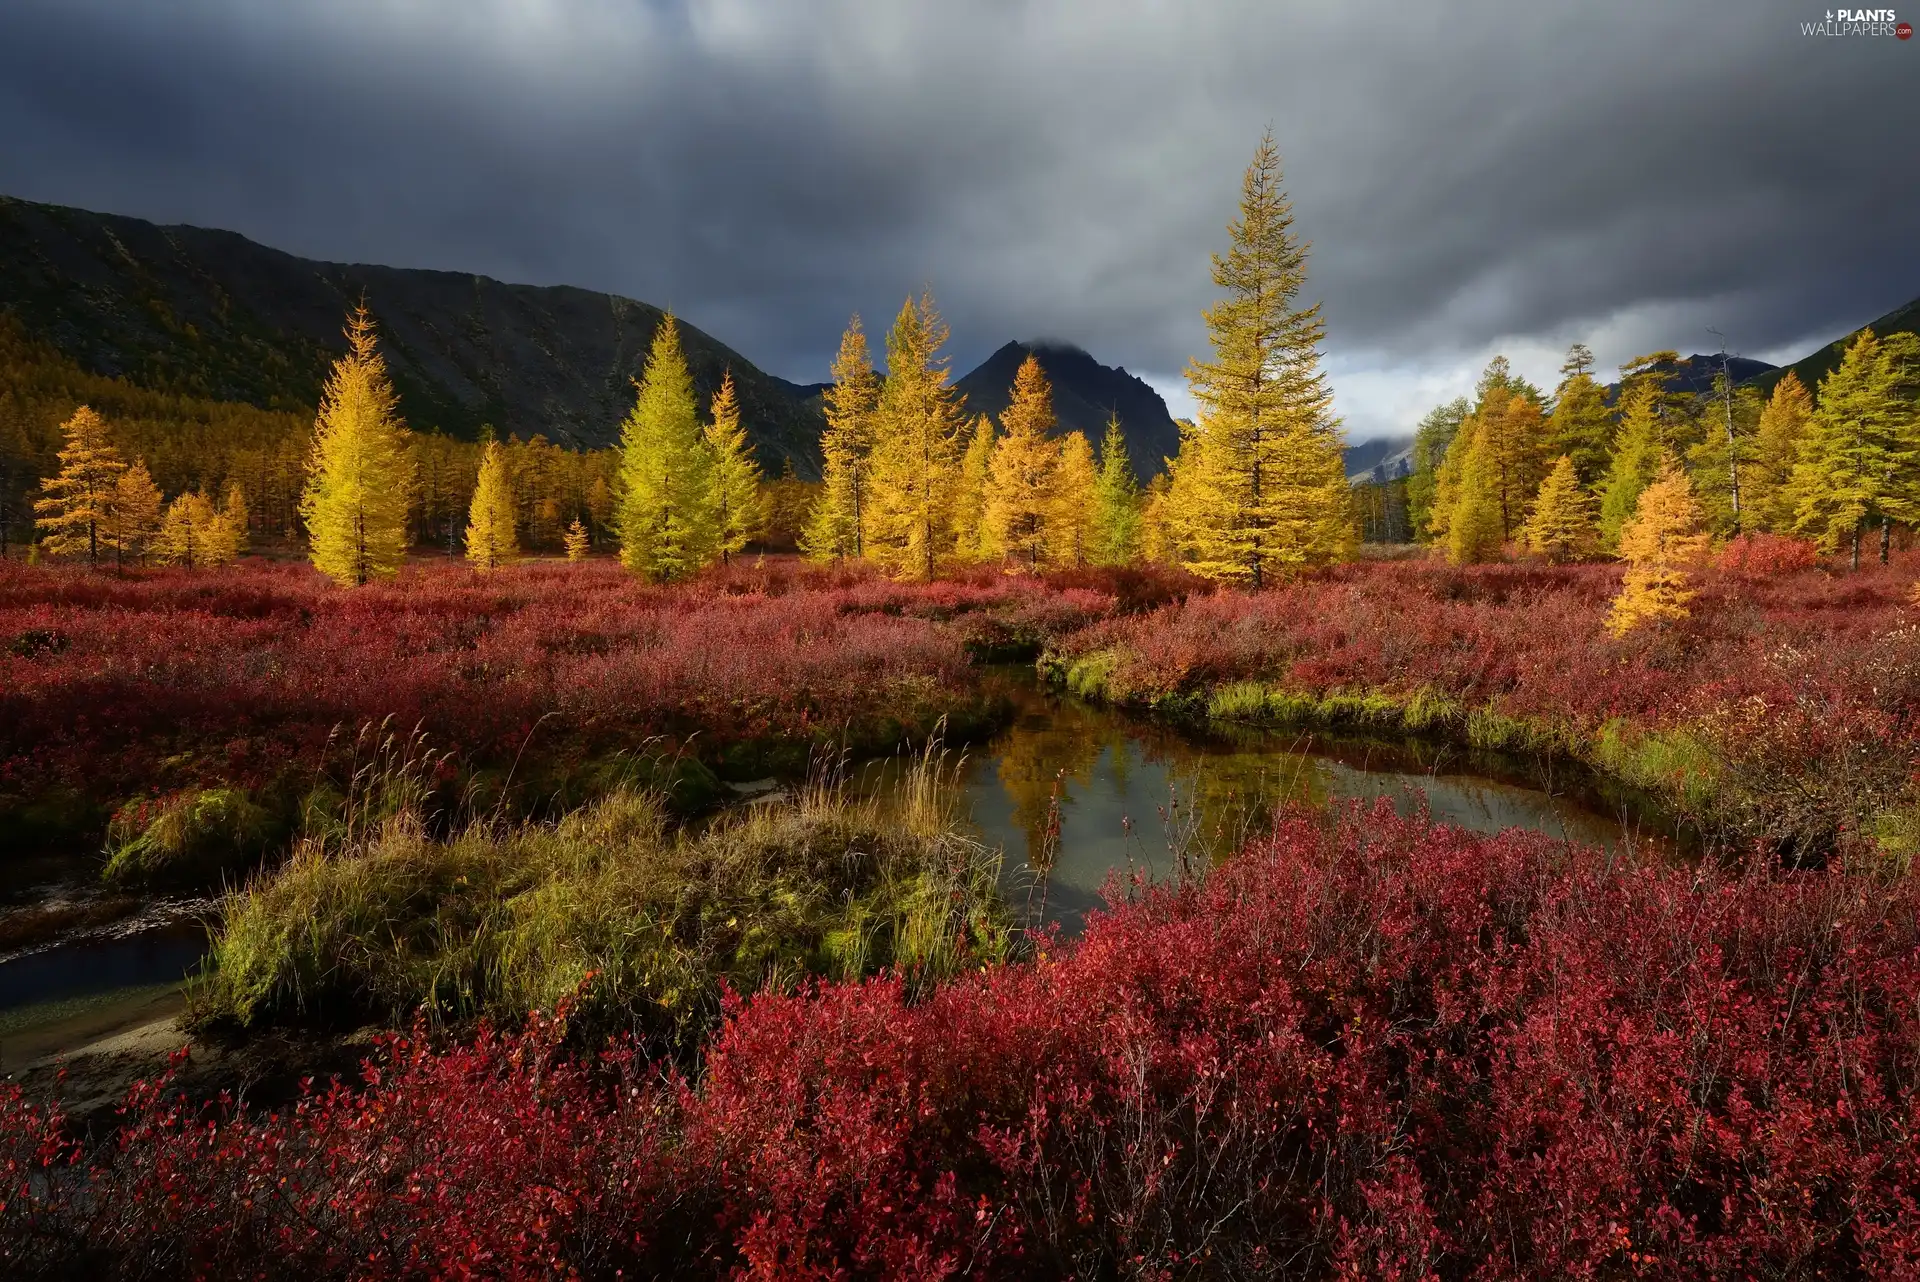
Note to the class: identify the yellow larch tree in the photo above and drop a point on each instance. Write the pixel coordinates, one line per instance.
(238, 520)
(193, 536)
(917, 424)
(1636, 456)
(1561, 527)
(836, 527)
(970, 492)
(1659, 543)
(133, 518)
(575, 541)
(1859, 459)
(1473, 527)
(359, 472)
(665, 516)
(1022, 496)
(739, 507)
(1271, 484)
(76, 503)
(491, 541)
(1516, 437)
(1767, 484)
(1076, 501)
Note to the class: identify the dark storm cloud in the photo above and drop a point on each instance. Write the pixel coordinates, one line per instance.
(1470, 174)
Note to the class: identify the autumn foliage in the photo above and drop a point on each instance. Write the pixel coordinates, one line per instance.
(1366, 1048)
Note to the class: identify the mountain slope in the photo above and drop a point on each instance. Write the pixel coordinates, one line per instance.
(213, 314)
(1813, 367)
(1084, 393)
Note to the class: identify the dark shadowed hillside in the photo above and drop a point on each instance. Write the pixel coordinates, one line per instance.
(1085, 392)
(1810, 369)
(214, 315)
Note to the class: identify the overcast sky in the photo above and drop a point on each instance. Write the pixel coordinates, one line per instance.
(1473, 176)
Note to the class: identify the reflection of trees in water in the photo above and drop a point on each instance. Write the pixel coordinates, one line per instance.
(1036, 754)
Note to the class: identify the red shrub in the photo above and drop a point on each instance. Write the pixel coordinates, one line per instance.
(1375, 1050)
(1760, 554)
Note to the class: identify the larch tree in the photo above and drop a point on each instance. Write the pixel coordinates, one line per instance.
(239, 521)
(1075, 501)
(1859, 459)
(1431, 441)
(1474, 530)
(1663, 538)
(193, 536)
(1514, 432)
(970, 492)
(600, 506)
(575, 541)
(836, 530)
(1725, 456)
(359, 472)
(1272, 486)
(491, 540)
(1561, 527)
(1023, 492)
(917, 425)
(134, 515)
(1636, 458)
(739, 506)
(1581, 426)
(1116, 502)
(76, 504)
(665, 513)
(1767, 485)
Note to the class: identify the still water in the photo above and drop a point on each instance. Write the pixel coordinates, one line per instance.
(1130, 793)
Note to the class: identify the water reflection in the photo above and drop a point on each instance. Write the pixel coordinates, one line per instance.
(1090, 792)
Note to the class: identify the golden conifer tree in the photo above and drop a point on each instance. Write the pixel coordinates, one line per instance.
(600, 506)
(1581, 426)
(193, 536)
(1271, 485)
(739, 508)
(238, 521)
(1157, 541)
(836, 530)
(1767, 485)
(1116, 502)
(134, 515)
(360, 473)
(576, 541)
(1636, 457)
(666, 502)
(1516, 457)
(1662, 539)
(917, 423)
(1076, 500)
(76, 503)
(491, 541)
(1473, 527)
(970, 492)
(1023, 495)
(1561, 527)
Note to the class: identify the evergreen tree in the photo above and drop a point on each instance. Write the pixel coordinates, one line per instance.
(490, 517)
(359, 473)
(133, 516)
(1076, 481)
(1158, 543)
(970, 493)
(1581, 426)
(576, 541)
(76, 504)
(193, 536)
(739, 507)
(1515, 436)
(1116, 502)
(1473, 528)
(1431, 441)
(1636, 458)
(1859, 459)
(665, 513)
(917, 424)
(1767, 486)
(1561, 527)
(1023, 490)
(1713, 462)
(1661, 540)
(1271, 484)
(837, 529)
(1657, 376)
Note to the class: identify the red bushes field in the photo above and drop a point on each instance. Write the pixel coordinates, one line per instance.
(112, 686)
(1371, 1049)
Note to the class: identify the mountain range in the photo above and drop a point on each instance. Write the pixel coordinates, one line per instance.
(212, 314)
